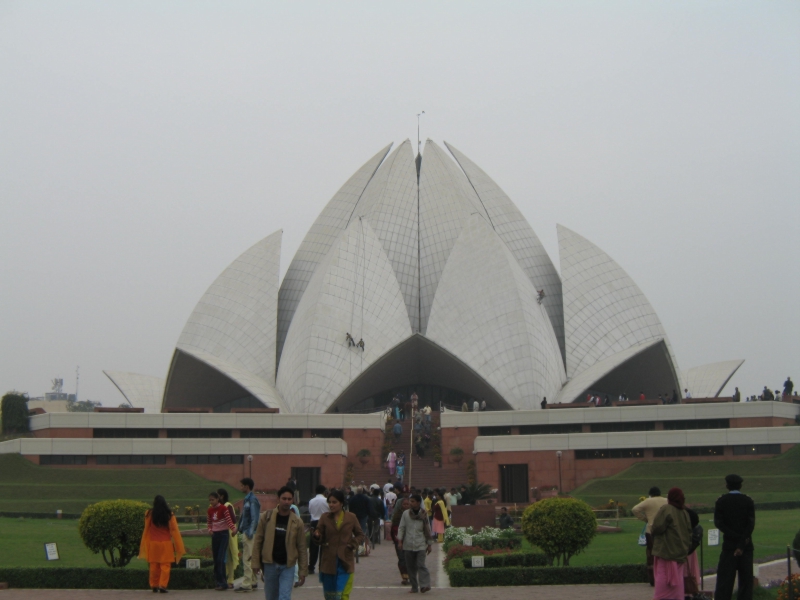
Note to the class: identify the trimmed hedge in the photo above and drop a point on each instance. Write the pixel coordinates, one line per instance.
(62, 578)
(517, 559)
(464, 577)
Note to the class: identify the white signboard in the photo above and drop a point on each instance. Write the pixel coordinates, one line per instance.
(192, 563)
(51, 551)
(468, 541)
(713, 537)
(477, 562)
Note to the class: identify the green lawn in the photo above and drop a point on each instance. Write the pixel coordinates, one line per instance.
(766, 480)
(24, 540)
(775, 529)
(25, 487)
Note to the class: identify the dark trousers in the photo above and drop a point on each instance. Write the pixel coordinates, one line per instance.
(219, 551)
(728, 568)
(313, 551)
(375, 531)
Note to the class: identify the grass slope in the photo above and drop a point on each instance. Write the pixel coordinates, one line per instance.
(25, 487)
(766, 480)
(24, 540)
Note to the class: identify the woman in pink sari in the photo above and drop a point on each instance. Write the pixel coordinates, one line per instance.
(672, 539)
(391, 461)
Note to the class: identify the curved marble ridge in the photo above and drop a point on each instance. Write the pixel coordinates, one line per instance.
(495, 325)
(437, 252)
(605, 312)
(141, 391)
(355, 291)
(707, 381)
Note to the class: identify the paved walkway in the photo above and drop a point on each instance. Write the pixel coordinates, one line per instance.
(376, 577)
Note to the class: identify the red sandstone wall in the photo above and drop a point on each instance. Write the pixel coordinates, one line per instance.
(63, 432)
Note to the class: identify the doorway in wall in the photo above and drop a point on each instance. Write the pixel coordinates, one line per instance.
(514, 483)
(307, 481)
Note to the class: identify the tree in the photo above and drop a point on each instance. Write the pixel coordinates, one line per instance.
(475, 492)
(113, 528)
(561, 527)
(14, 411)
(82, 406)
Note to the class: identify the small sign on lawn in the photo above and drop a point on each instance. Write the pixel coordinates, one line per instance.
(51, 551)
(468, 541)
(713, 537)
(192, 563)
(477, 562)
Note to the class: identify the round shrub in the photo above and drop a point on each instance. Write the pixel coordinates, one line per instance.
(560, 527)
(113, 528)
(783, 590)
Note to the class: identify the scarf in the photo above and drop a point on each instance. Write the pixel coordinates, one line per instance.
(422, 516)
(676, 498)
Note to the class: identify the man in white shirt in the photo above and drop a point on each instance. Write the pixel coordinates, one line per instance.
(686, 393)
(475, 406)
(390, 498)
(387, 487)
(317, 507)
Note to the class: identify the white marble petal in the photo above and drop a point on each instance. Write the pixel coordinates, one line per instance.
(518, 236)
(333, 219)
(707, 381)
(485, 313)
(354, 291)
(141, 391)
(605, 312)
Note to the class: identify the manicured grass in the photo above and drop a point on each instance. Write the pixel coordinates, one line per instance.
(766, 480)
(25, 487)
(775, 529)
(24, 539)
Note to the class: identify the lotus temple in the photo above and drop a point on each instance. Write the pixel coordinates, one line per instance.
(419, 275)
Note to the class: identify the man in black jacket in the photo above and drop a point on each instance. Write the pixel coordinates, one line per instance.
(361, 507)
(735, 517)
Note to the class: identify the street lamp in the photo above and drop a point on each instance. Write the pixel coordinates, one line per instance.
(250, 462)
(558, 454)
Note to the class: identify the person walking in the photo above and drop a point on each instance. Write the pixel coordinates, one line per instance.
(441, 518)
(232, 558)
(317, 507)
(735, 517)
(220, 524)
(248, 521)
(339, 535)
(161, 543)
(361, 507)
(646, 511)
(415, 540)
(377, 513)
(391, 461)
(506, 520)
(403, 505)
(400, 469)
(279, 546)
(672, 539)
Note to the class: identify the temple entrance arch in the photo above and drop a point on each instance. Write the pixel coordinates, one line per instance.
(416, 362)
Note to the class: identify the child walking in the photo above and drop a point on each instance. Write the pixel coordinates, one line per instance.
(219, 525)
(161, 543)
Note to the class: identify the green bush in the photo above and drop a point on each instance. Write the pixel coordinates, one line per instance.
(561, 527)
(14, 411)
(113, 528)
(59, 578)
(467, 577)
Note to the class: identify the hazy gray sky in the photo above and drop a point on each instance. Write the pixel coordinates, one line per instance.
(145, 145)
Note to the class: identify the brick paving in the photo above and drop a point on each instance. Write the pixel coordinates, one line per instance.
(376, 577)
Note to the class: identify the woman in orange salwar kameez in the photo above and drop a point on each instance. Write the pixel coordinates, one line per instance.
(161, 543)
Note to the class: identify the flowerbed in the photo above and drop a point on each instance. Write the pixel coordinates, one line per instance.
(489, 538)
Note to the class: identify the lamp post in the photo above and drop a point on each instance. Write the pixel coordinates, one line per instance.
(250, 462)
(558, 454)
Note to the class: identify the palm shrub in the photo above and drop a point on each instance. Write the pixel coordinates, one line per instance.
(475, 492)
(113, 528)
(561, 527)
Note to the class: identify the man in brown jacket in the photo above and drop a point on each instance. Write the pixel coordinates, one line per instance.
(279, 545)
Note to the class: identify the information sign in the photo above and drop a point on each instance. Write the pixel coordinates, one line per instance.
(51, 551)
(713, 537)
(477, 562)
